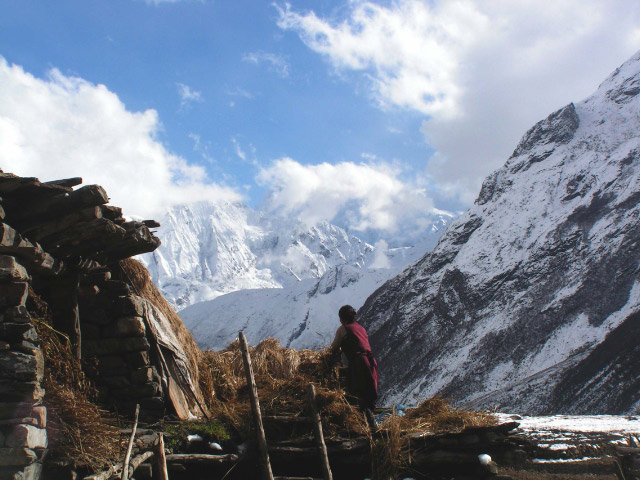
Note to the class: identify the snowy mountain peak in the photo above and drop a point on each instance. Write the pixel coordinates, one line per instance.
(209, 249)
(530, 286)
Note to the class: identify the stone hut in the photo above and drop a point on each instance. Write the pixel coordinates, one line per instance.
(70, 249)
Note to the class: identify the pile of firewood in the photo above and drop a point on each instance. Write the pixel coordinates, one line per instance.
(628, 459)
(62, 228)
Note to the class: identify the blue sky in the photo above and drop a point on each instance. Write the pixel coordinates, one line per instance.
(374, 113)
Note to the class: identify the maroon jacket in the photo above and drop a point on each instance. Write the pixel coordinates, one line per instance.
(363, 368)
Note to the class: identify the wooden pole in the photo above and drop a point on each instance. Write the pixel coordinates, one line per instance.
(255, 408)
(161, 459)
(125, 464)
(317, 427)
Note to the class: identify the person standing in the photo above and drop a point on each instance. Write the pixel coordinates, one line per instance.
(351, 339)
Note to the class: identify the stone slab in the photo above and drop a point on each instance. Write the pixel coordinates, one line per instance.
(138, 359)
(40, 414)
(115, 345)
(10, 269)
(13, 294)
(21, 366)
(130, 326)
(144, 375)
(28, 436)
(16, 332)
(17, 457)
(17, 391)
(17, 314)
(15, 409)
(129, 305)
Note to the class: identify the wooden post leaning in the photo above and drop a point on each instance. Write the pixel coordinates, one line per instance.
(255, 408)
(317, 427)
(161, 459)
(125, 464)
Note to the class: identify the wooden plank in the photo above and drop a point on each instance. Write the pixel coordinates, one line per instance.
(317, 428)
(112, 213)
(255, 408)
(84, 238)
(24, 214)
(13, 186)
(200, 458)
(286, 419)
(627, 450)
(65, 182)
(161, 459)
(137, 461)
(125, 464)
(46, 229)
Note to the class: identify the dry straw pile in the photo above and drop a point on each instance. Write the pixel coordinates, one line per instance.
(282, 376)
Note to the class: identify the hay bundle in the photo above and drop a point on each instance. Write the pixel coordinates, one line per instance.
(282, 376)
(434, 415)
(139, 276)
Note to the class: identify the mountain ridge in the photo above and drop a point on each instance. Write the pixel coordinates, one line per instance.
(544, 264)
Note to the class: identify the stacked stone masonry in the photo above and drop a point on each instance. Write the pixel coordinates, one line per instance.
(114, 332)
(23, 419)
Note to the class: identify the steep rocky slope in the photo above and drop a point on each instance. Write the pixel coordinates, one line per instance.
(530, 298)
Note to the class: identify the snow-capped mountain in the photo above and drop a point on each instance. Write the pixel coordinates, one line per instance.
(531, 299)
(210, 249)
(303, 314)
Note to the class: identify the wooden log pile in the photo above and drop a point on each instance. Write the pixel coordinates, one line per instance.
(457, 455)
(73, 225)
(628, 459)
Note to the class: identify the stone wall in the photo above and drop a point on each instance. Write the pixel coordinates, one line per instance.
(114, 331)
(68, 246)
(23, 418)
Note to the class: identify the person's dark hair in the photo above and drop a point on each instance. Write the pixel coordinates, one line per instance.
(347, 314)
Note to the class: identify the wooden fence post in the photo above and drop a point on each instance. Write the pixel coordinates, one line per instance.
(317, 426)
(161, 459)
(125, 464)
(255, 408)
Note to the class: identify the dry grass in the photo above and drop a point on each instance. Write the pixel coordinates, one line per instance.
(434, 415)
(136, 273)
(282, 377)
(141, 280)
(79, 431)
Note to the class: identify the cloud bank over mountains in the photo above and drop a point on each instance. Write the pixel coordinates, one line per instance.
(480, 71)
(63, 126)
(371, 196)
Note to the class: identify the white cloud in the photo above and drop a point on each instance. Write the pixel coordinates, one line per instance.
(188, 95)
(369, 196)
(158, 2)
(239, 152)
(380, 259)
(276, 63)
(239, 92)
(63, 126)
(481, 71)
